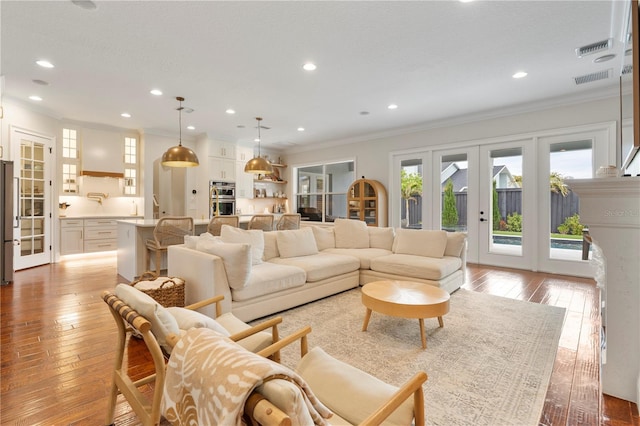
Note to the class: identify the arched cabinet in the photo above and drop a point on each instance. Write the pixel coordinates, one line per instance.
(368, 202)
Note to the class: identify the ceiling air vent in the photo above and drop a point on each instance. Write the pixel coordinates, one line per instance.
(627, 69)
(592, 48)
(590, 78)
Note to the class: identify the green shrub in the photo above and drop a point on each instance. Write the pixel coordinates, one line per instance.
(514, 222)
(571, 226)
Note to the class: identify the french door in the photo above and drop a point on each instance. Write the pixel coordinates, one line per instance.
(480, 190)
(33, 163)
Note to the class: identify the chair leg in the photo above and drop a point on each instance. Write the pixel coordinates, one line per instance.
(158, 261)
(147, 259)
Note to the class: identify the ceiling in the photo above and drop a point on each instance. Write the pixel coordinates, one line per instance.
(439, 61)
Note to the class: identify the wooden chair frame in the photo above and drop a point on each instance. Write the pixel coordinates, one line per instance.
(167, 232)
(216, 222)
(128, 320)
(261, 221)
(411, 388)
(289, 221)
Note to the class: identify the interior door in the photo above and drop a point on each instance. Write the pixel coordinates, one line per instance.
(409, 203)
(33, 163)
(507, 206)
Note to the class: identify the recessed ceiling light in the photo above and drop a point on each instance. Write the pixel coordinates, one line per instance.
(309, 66)
(125, 115)
(465, 1)
(191, 127)
(256, 140)
(301, 129)
(156, 92)
(44, 63)
(519, 74)
(40, 82)
(393, 106)
(230, 111)
(35, 98)
(604, 58)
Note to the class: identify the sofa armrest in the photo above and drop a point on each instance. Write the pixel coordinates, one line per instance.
(204, 277)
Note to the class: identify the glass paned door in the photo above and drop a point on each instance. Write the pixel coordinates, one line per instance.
(34, 195)
(507, 229)
(411, 192)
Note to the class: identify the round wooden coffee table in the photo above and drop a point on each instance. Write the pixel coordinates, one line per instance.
(405, 299)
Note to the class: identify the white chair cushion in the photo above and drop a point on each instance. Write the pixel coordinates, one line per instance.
(351, 233)
(298, 242)
(381, 238)
(254, 237)
(325, 237)
(236, 258)
(187, 319)
(162, 322)
(351, 393)
(455, 243)
(253, 343)
(420, 242)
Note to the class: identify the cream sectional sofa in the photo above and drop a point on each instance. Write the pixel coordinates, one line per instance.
(261, 273)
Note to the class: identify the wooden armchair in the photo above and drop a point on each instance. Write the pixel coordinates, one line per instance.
(130, 320)
(320, 387)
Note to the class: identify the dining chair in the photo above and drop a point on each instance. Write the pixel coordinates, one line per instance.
(169, 230)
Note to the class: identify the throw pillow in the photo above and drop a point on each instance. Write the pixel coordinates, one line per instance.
(270, 245)
(455, 243)
(236, 258)
(325, 238)
(298, 242)
(190, 241)
(351, 233)
(381, 237)
(255, 237)
(188, 318)
(421, 242)
(162, 322)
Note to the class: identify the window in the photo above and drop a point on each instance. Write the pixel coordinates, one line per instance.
(321, 190)
(130, 165)
(70, 161)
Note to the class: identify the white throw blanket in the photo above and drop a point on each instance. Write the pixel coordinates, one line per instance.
(209, 378)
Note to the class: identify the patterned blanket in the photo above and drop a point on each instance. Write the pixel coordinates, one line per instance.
(209, 378)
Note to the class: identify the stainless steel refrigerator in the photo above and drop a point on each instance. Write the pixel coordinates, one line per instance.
(6, 221)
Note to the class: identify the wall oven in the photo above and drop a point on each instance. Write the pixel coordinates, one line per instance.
(222, 198)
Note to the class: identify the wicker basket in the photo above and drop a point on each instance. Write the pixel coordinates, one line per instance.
(167, 291)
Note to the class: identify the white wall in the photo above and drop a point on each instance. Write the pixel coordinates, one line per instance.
(372, 155)
(19, 116)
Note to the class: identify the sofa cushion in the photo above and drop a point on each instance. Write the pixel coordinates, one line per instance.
(298, 242)
(420, 242)
(364, 255)
(235, 257)
(348, 391)
(381, 238)
(268, 278)
(351, 233)
(270, 245)
(188, 318)
(322, 265)
(255, 237)
(408, 265)
(162, 322)
(455, 243)
(325, 237)
(253, 343)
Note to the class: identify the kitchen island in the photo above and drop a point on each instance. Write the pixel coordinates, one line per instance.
(132, 235)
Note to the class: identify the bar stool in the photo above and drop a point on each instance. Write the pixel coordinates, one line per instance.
(216, 222)
(261, 221)
(289, 221)
(169, 230)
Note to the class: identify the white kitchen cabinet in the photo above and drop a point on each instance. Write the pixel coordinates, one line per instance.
(100, 235)
(71, 236)
(244, 181)
(222, 169)
(244, 153)
(222, 149)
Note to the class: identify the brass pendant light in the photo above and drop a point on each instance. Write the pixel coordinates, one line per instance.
(180, 156)
(258, 165)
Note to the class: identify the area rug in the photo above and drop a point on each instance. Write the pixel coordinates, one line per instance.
(489, 365)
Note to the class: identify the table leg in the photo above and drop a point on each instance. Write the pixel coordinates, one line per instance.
(441, 321)
(367, 316)
(422, 335)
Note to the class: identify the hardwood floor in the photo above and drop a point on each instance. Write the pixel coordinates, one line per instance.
(57, 341)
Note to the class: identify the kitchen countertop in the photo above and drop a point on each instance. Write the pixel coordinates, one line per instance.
(101, 216)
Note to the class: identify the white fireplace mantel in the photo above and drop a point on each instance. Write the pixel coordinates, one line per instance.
(610, 207)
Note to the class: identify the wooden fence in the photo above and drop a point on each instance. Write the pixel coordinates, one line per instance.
(509, 201)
